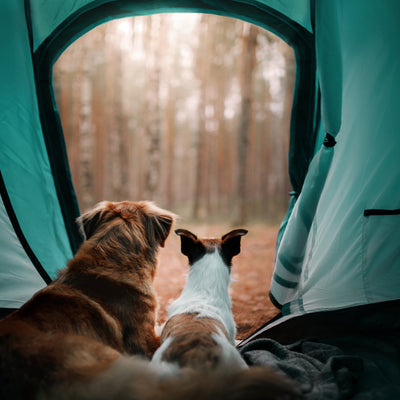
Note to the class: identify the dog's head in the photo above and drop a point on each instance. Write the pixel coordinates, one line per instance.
(194, 248)
(135, 226)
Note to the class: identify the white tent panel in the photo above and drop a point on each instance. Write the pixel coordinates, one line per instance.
(19, 278)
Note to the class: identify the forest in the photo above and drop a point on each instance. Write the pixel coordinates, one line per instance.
(191, 111)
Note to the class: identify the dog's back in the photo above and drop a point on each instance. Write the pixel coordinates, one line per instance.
(100, 306)
(33, 361)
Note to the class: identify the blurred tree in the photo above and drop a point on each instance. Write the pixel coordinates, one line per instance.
(202, 155)
(247, 67)
(151, 110)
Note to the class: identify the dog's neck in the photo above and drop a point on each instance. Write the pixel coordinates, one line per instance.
(125, 262)
(89, 271)
(206, 292)
(209, 275)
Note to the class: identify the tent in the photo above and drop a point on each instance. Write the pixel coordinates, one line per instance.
(338, 249)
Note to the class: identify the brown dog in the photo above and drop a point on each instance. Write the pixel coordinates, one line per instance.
(100, 306)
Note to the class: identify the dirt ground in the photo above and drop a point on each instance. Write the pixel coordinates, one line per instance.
(251, 273)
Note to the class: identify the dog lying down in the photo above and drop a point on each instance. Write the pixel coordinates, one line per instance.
(90, 333)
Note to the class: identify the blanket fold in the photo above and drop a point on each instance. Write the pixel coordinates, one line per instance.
(359, 368)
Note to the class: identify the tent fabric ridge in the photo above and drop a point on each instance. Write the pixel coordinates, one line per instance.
(378, 211)
(28, 19)
(284, 282)
(275, 13)
(293, 306)
(307, 217)
(312, 15)
(275, 302)
(18, 231)
(294, 266)
(302, 120)
(57, 153)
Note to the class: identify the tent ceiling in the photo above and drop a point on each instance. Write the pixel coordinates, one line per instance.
(47, 16)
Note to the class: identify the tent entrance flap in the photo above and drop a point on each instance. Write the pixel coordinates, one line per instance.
(350, 256)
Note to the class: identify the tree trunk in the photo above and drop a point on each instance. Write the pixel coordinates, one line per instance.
(248, 64)
(153, 125)
(170, 139)
(278, 178)
(201, 148)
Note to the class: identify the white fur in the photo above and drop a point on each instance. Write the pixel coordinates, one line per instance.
(157, 356)
(230, 356)
(206, 292)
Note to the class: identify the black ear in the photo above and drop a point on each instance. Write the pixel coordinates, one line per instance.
(230, 245)
(90, 221)
(190, 245)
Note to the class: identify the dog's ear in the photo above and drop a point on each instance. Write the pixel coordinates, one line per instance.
(162, 227)
(158, 222)
(190, 245)
(230, 245)
(90, 221)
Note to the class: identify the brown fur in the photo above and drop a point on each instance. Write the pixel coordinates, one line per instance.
(192, 343)
(100, 306)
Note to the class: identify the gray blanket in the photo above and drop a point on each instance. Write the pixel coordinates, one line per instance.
(359, 368)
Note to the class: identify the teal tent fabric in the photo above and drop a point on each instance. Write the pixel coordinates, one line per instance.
(343, 242)
(329, 60)
(47, 16)
(23, 156)
(292, 250)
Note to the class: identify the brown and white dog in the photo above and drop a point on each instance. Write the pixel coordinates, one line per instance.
(200, 330)
(199, 334)
(99, 307)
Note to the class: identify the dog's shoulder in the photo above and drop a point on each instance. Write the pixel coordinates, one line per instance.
(64, 309)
